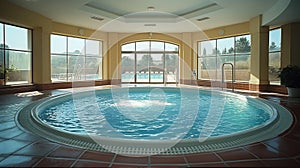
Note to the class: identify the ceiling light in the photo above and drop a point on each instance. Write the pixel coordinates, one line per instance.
(97, 18)
(201, 19)
(151, 8)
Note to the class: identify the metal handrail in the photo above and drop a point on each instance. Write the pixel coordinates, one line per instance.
(232, 74)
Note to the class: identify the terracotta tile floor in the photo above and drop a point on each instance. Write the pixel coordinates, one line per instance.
(24, 149)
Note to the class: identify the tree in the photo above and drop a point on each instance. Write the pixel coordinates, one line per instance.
(2, 55)
(224, 51)
(243, 45)
(146, 60)
(231, 50)
(204, 52)
(127, 61)
(76, 52)
(171, 62)
(216, 52)
(273, 46)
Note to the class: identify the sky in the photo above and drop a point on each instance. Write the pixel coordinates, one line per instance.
(59, 45)
(15, 37)
(274, 36)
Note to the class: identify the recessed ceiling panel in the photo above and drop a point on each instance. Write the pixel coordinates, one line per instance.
(134, 13)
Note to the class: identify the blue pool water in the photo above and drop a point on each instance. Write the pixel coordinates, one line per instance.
(140, 113)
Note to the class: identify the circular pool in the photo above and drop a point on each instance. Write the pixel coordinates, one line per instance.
(152, 120)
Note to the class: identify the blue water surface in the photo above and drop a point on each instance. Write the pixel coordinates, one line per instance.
(155, 114)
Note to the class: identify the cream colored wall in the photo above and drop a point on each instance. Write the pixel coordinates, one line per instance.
(43, 27)
(259, 67)
(290, 52)
(186, 66)
(230, 30)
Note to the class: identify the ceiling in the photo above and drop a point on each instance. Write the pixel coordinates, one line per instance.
(161, 15)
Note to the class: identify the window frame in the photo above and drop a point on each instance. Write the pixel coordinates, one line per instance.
(217, 61)
(137, 52)
(85, 56)
(277, 82)
(28, 51)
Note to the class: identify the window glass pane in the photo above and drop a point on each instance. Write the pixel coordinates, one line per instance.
(128, 47)
(128, 65)
(58, 44)
(209, 64)
(274, 67)
(225, 46)
(75, 46)
(84, 63)
(142, 68)
(157, 46)
(18, 65)
(227, 68)
(225, 59)
(242, 68)
(171, 47)
(58, 68)
(208, 68)
(208, 48)
(1, 63)
(275, 40)
(171, 65)
(93, 68)
(76, 66)
(243, 44)
(1, 36)
(143, 46)
(156, 68)
(2, 66)
(274, 56)
(92, 48)
(237, 53)
(17, 38)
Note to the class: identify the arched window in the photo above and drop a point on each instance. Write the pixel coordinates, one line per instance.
(149, 62)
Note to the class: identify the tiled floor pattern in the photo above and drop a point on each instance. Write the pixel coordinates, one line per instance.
(19, 148)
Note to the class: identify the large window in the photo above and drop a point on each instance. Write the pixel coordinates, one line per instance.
(274, 56)
(213, 54)
(75, 59)
(15, 54)
(149, 62)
